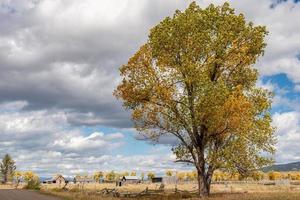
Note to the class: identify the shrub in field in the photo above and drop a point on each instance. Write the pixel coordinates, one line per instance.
(169, 173)
(111, 176)
(191, 175)
(97, 176)
(274, 175)
(217, 176)
(151, 175)
(133, 173)
(17, 176)
(181, 176)
(32, 180)
(293, 176)
(221, 176)
(257, 175)
(126, 174)
(297, 176)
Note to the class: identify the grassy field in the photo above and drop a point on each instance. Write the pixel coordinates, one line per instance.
(6, 186)
(219, 192)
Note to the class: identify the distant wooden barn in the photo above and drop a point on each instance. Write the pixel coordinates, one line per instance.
(157, 179)
(128, 180)
(83, 179)
(131, 179)
(165, 180)
(58, 179)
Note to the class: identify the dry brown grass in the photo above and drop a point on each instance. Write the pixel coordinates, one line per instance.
(219, 192)
(6, 186)
(245, 196)
(257, 196)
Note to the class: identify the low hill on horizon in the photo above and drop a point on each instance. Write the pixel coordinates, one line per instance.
(294, 166)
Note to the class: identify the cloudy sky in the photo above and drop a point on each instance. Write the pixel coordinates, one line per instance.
(59, 63)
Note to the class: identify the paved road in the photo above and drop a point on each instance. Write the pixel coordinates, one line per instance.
(9, 194)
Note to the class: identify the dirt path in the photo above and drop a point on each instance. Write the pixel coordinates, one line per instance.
(9, 194)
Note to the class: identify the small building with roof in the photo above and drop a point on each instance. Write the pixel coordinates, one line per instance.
(83, 179)
(131, 179)
(57, 179)
(128, 180)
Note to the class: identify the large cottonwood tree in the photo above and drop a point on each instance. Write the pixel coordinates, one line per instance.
(194, 78)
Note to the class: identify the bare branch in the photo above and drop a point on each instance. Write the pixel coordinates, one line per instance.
(186, 161)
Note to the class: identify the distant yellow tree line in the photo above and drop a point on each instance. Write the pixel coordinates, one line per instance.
(224, 176)
(256, 176)
(180, 175)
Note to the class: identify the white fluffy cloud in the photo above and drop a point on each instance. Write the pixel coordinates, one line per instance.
(66, 54)
(288, 135)
(45, 142)
(297, 88)
(50, 130)
(48, 163)
(96, 140)
(37, 138)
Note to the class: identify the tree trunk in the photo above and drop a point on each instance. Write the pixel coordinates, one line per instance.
(203, 185)
(5, 178)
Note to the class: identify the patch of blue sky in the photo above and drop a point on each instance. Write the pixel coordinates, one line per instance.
(8, 8)
(277, 2)
(131, 145)
(284, 90)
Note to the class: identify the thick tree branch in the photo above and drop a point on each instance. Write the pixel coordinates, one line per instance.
(186, 161)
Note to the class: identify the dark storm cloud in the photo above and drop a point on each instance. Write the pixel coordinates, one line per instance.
(56, 56)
